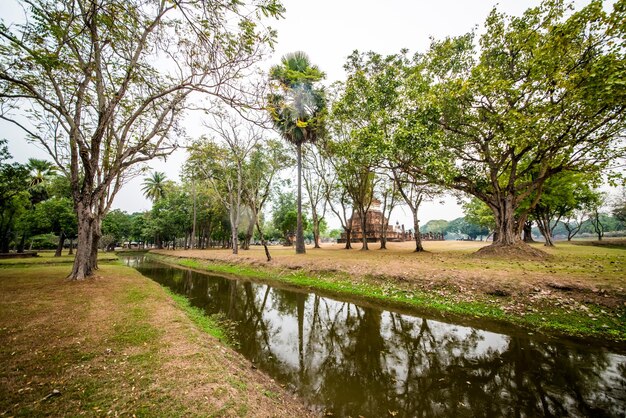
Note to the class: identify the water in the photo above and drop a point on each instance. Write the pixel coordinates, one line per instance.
(352, 360)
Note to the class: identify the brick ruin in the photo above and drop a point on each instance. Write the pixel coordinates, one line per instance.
(374, 218)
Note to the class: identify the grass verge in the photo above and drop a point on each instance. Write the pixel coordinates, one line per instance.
(117, 345)
(530, 312)
(212, 325)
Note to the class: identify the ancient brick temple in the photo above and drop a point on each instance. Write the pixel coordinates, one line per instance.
(375, 221)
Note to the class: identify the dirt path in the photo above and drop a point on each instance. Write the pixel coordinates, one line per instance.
(117, 345)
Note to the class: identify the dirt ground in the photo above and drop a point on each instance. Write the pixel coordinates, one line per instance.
(572, 273)
(117, 345)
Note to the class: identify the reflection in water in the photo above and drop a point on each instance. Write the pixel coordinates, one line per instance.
(353, 360)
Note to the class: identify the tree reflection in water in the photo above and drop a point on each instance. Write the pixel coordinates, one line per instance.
(354, 360)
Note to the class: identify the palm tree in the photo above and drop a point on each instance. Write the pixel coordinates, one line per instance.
(154, 186)
(40, 170)
(297, 109)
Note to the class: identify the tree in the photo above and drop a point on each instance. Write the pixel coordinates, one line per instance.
(461, 226)
(619, 206)
(316, 188)
(154, 186)
(436, 226)
(478, 213)
(297, 107)
(285, 217)
(544, 95)
(266, 160)
(223, 164)
(117, 224)
(108, 82)
(40, 170)
(388, 191)
(414, 190)
(364, 116)
(595, 215)
(57, 215)
(562, 194)
(14, 184)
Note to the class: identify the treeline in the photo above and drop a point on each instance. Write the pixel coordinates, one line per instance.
(36, 209)
(478, 224)
(170, 223)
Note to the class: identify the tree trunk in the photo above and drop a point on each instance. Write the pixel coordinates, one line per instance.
(234, 231)
(192, 244)
(249, 233)
(383, 233)
(95, 237)
(82, 262)
(416, 233)
(544, 228)
(71, 251)
(364, 246)
(528, 229)
(267, 251)
(60, 245)
(300, 248)
(506, 228)
(316, 228)
(20, 247)
(348, 238)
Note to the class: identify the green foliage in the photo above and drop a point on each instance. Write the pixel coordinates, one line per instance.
(462, 226)
(14, 196)
(285, 215)
(154, 186)
(542, 95)
(296, 104)
(56, 215)
(478, 213)
(435, 226)
(117, 224)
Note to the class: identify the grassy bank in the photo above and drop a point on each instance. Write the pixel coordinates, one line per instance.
(118, 344)
(550, 307)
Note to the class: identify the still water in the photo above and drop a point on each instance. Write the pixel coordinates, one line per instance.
(349, 360)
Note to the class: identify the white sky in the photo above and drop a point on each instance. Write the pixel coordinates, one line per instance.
(328, 31)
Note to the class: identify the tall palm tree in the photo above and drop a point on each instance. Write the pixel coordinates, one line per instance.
(297, 108)
(154, 186)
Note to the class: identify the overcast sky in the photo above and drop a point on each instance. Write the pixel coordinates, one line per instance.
(328, 31)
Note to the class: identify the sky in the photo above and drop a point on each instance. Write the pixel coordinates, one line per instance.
(328, 31)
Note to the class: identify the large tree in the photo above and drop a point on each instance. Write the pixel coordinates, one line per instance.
(106, 83)
(544, 94)
(223, 162)
(297, 107)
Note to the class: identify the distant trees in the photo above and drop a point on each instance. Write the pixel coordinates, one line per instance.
(461, 226)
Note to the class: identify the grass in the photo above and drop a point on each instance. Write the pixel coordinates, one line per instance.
(117, 344)
(47, 257)
(523, 292)
(209, 324)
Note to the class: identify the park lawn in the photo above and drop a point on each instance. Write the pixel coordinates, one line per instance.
(47, 257)
(580, 290)
(118, 344)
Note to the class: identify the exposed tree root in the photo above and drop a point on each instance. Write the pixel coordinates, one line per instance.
(519, 250)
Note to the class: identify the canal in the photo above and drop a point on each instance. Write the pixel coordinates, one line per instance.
(349, 359)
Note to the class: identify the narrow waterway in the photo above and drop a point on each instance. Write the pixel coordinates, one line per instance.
(350, 360)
